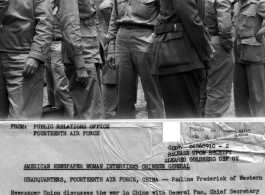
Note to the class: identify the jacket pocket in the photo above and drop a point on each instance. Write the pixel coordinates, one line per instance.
(144, 8)
(87, 8)
(248, 19)
(170, 50)
(251, 50)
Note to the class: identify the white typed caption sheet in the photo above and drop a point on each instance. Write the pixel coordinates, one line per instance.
(138, 158)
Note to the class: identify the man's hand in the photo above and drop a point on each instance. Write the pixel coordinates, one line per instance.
(30, 67)
(227, 43)
(207, 62)
(111, 61)
(82, 77)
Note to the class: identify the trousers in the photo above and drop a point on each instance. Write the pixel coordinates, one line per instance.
(217, 97)
(249, 90)
(20, 98)
(109, 92)
(181, 93)
(133, 57)
(110, 100)
(88, 101)
(57, 83)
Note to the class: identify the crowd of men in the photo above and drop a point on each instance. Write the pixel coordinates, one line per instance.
(186, 53)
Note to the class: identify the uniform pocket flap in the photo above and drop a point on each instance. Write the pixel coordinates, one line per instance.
(173, 35)
(250, 41)
(248, 14)
(251, 11)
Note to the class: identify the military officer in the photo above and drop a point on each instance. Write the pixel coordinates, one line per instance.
(181, 51)
(131, 39)
(57, 82)
(26, 35)
(249, 75)
(218, 18)
(108, 75)
(81, 56)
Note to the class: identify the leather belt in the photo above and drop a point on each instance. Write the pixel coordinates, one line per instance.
(136, 26)
(170, 27)
(57, 38)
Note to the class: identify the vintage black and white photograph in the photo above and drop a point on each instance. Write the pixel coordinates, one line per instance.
(131, 59)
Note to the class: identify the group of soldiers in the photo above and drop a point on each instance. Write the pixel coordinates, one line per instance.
(186, 53)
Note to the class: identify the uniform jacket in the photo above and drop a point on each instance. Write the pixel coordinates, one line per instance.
(3, 8)
(133, 12)
(79, 25)
(218, 18)
(27, 28)
(105, 9)
(192, 44)
(248, 19)
(56, 21)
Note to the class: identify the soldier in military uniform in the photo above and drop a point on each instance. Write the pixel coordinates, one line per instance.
(57, 82)
(218, 18)
(81, 56)
(131, 39)
(26, 35)
(181, 51)
(249, 75)
(109, 90)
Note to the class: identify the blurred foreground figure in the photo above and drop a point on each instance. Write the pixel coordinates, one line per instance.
(249, 76)
(131, 34)
(26, 36)
(217, 96)
(57, 82)
(109, 90)
(181, 50)
(81, 56)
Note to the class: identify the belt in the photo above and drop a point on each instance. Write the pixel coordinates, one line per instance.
(170, 27)
(136, 26)
(57, 38)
